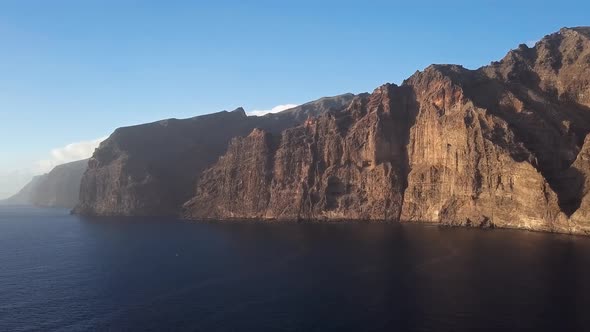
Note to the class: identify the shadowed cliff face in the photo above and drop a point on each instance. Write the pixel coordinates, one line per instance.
(151, 169)
(467, 165)
(497, 146)
(580, 187)
(347, 164)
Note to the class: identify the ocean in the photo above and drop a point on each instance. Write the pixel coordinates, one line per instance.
(60, 272)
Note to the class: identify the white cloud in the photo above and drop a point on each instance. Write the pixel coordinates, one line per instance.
(68, 153)
(531, 43)
(276, 109)
(11, 181)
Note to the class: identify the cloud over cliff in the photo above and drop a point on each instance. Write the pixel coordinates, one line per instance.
(276, 109)
(68, 153)
(11, 181)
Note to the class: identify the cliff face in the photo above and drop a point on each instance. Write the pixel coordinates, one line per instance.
(468, 165)
(580, 185)
(343, 165)
(499, 146)
(58, 188)
(151, 169)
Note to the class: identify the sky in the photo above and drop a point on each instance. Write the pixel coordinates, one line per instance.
(73, 71)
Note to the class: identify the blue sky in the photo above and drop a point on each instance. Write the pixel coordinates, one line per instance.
(73, 71)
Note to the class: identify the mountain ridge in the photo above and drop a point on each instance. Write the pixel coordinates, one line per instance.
(60, 187)
(150, 169)
(497, 146)
(487, 147)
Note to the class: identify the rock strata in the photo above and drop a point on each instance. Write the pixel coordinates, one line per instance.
(501, 146)
(342, 165)
(151, 169)
(505, 145)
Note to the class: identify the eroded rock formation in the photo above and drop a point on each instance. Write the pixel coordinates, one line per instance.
(504, 145)
(151, 169)
(343, 165)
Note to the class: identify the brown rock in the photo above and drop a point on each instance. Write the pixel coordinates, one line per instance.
(344, 165)
(219, 185)
(467, 165)
(579, 176)
(151, 169)
(497, 146)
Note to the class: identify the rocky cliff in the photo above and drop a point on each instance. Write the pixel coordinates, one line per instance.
(342, 165)
(58, 188)
(504, 145)
(151, 169)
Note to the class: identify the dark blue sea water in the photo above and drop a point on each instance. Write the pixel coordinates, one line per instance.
(64, 273)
